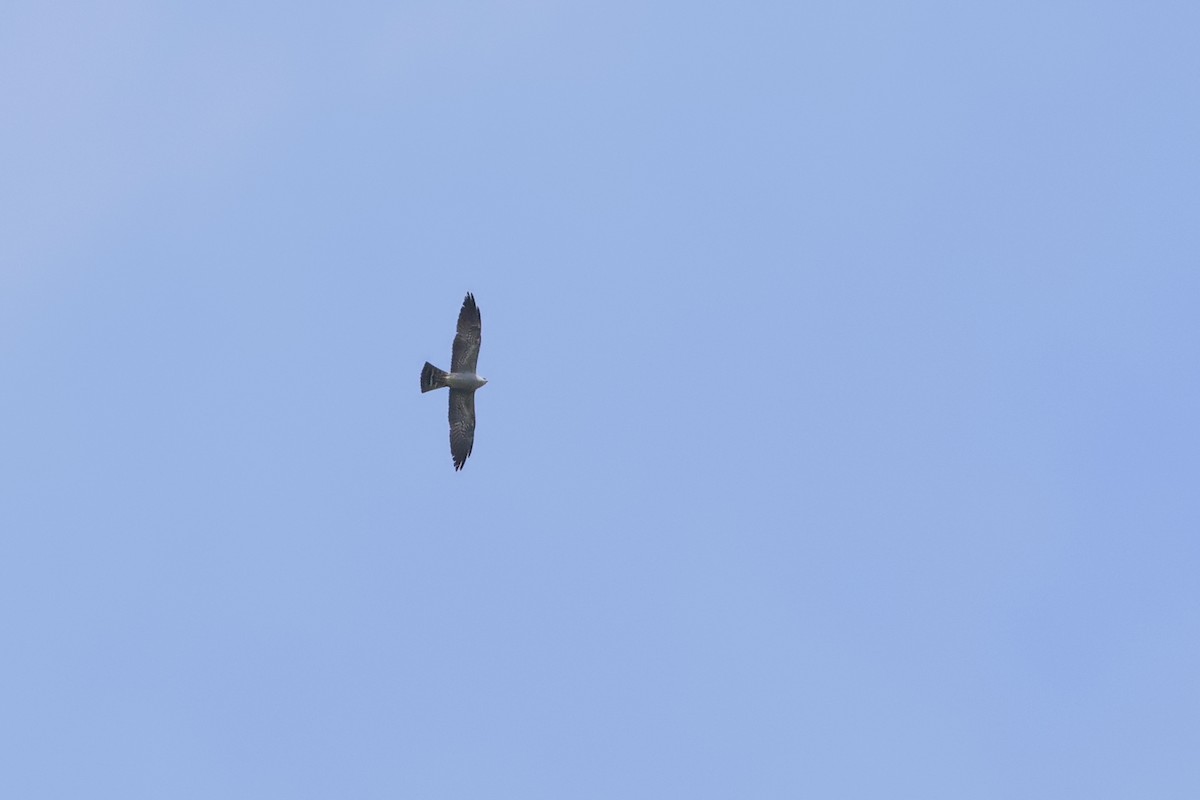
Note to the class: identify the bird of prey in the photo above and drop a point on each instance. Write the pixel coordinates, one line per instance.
(462, 381)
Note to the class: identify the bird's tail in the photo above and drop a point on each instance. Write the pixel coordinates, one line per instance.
(432, 378)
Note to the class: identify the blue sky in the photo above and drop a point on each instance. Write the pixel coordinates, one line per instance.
(840, 442)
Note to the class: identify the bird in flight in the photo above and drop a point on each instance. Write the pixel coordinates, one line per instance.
(462, 381)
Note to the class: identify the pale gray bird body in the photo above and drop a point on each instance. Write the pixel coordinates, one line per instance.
(462, 380)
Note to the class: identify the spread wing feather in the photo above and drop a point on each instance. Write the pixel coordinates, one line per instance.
(466, 342)
(462, 425)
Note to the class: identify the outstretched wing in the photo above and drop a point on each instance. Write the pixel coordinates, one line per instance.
(466, 341)
(462, 425)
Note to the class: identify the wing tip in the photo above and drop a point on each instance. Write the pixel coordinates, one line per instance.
(470, 311)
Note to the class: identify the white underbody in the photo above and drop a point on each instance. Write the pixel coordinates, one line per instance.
(464, 380)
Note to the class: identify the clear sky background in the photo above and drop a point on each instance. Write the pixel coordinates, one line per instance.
(841, 438)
